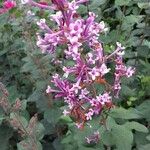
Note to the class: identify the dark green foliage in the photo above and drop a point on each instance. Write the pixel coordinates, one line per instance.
(26, 72)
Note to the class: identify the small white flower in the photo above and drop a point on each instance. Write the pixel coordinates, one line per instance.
(41, 23)
(79, 125)
(90, 58)
(94, 73)
(83, 94)
(30, 13)
(24, 1)
(120, 53)
(89, 114)
(75, 88)
(102, 25)
(48, 90)
(120, 46)
(66, 112)
(66, 74)
(103, 69)
(130, 71)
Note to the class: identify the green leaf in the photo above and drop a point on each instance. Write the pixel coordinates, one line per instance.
(49, 128)
(108, 138)
(39, 97)
(69, 142)
(5, 134)
(57, 144)
(96, 3)
(39, 131)
(144, 147)
(127, 91)
(144, 5)
(13, 93)
(20, 146)
(67, 139)
(123, 137)
(146, 43)
(136, 126)
(52, 115)
(143, 51)
(91, 148)
(125, 113)
(82, 9)
(148, 137)
(122, 2)
(20, 119)
(39, 146)
(28, 143)
(140, 138)
(119, 136)
(23, 104)
(1, 115)
(110, 122)
(144, 109)
(66, 119)
(130, 20)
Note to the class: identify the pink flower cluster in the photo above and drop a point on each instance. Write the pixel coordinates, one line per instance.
(7, 5)
(89, 67)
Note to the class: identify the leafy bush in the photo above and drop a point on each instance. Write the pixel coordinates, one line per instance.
(32, 119)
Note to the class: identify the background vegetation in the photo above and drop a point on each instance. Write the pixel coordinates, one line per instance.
(25, 72)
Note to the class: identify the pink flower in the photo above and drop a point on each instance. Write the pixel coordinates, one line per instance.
(90, 58)
(75, 88)
(61, 4)
(66, 112)
(103, 98)
(58, 18)
(48, 90)
(84, 93)
(78, 86)
(3, 10)
(76, 28)
(94, 102)
(117, 88)
(79, 125)
(94, 73)
(103, 69)
(130, 71)
(89, 114)
(41, 23)
(43, 3)
(9, 4)
(119, 46)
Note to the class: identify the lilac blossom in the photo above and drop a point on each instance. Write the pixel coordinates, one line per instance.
(89, 114)
(94, 73)
(120, 69)
(73, 32)
(83, 94)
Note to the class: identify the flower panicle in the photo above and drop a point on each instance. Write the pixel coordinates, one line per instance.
(91, 67)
